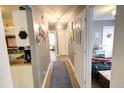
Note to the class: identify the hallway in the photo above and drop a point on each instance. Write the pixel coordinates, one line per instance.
(60, 73)
(65, 22)
(65, 60)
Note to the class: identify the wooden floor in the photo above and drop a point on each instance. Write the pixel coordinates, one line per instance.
(95, 84)
(70, 70)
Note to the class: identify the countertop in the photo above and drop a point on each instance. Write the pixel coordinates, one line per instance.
(19, 62)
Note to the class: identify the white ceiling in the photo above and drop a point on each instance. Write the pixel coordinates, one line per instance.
(64, 13)
(51, 12)
(103, 12)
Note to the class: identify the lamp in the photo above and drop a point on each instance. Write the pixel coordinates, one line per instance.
(114, 10)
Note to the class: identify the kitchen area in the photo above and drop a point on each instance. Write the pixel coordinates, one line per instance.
(18, 46)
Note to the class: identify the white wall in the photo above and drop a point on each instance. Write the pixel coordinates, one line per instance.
(78, 53)
(71, 50)
(22, 76)
(108, 42)
(117, 77)
(98, 28)
(78, 49)
(5, 73)
(39, 53)
(82, 53)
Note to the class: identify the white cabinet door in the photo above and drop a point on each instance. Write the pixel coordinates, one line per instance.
(20, 23)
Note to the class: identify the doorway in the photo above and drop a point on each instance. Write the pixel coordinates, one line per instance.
(103, 29)
(52, 45)
(18, 47)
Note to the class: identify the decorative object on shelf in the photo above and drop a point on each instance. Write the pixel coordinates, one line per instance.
(22, 34)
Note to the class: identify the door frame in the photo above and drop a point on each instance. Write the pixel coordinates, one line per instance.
(88, 45)
(5, 70)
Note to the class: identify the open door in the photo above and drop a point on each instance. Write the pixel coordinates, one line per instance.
(5, 73)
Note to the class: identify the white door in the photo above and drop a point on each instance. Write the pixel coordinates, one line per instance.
(79, 64)
(63, 42)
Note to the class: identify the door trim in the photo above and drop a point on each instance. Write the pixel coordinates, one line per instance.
(88, 45)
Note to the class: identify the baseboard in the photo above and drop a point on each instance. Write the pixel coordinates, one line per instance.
(48, 73)
(46, 76)
(76, 75)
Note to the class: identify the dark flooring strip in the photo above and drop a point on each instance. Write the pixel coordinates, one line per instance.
(60, 77)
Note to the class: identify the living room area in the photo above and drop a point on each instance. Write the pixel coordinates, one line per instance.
(103, 27)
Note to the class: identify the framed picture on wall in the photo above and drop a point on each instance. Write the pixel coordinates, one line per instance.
(78, 35)
(71, 32)
(11, 41)
(78, 31)
(72, 25)
(73, 28)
